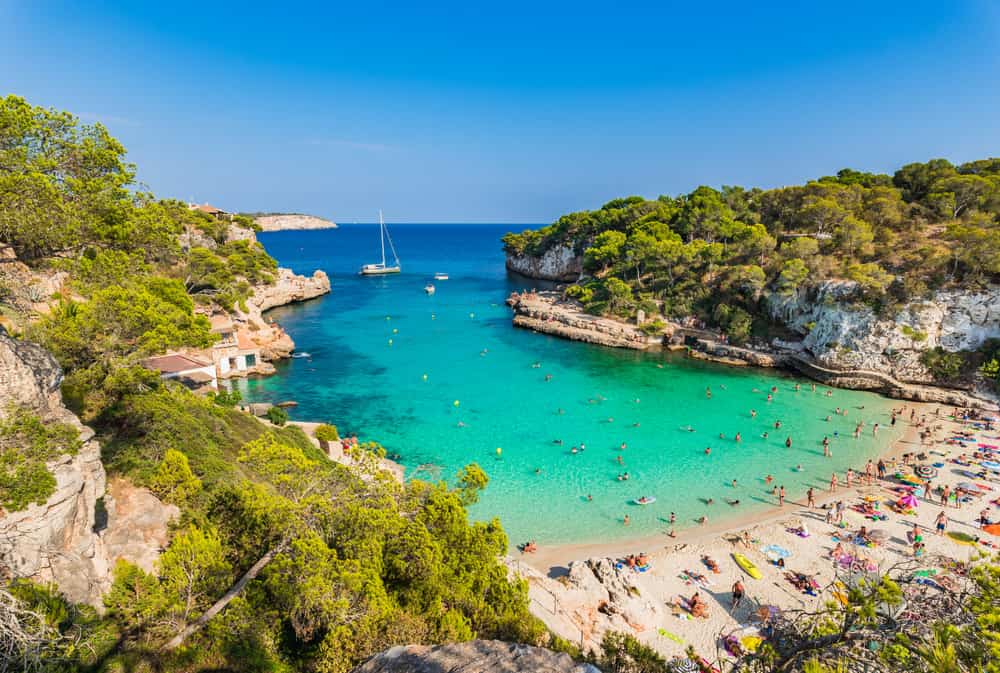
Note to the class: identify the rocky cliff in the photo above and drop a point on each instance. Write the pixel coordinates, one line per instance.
(475, 656)
(61, 541)
(840, 332)
(560, 263)
(282, 222)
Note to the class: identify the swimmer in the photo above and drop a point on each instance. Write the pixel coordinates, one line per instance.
(557, 441)
(739, 437)
(798, 468)
(769, 397)
(710, 501)
(582, 446)
(560, 411)
(763, 435)
(777, 425)
(636, 424)
(637, 400)
(538, 470)
(548, 377)
(620, 461)
(732, 503)
(788, 443)
(536, 365)
(626, 520)
(768, 479)
(623, 446)
(753, 413)
(708, 450)
(722, 435)
(673, 518)
(734, 483)
(590, 498)
(703, 520)
(689, 429)
(611, 419)
(573, 450)
(460, 424)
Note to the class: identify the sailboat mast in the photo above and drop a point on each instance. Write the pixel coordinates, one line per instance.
(381, 234)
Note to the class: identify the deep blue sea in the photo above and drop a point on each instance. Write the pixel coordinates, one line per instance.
(445, 380)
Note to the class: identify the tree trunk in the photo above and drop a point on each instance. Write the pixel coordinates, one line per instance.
(220, 604)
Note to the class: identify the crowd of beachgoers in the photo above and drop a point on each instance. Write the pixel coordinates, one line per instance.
(928, 505)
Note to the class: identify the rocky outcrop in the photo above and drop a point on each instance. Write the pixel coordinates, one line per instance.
(283, 222)
(840, 332)
(560, 263)
(59, 541)
(545, 312)
(289, 288)
(474, 656)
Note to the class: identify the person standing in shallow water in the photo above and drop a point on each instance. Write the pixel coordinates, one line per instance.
(810, 498)
(788, 443)
(781, 496)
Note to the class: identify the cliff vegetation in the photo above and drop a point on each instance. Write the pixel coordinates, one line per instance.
(280, 559)
(720, 255)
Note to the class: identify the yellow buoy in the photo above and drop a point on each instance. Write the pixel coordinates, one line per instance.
(390, 342)
(395, 330)
(433, 316)
(499, 451)
(425, 377)
(472, 315)
(388, 317)
(455, 403)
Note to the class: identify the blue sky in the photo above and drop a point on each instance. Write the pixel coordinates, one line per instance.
(508, 112)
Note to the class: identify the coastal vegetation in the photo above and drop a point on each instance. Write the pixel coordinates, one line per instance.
(718, 254)
(280, 560)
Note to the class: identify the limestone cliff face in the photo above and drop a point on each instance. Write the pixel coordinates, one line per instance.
(57, 541)
(474, 656)
(840, 332)
(287, 222)
(289, 288)
(560, 263)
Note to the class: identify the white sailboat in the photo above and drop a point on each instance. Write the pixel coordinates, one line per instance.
(382, 269)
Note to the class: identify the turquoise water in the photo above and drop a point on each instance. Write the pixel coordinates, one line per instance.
(372, 341)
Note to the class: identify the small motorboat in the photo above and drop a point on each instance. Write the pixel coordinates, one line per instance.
(645, 500)
(440, 276)
(429, 288)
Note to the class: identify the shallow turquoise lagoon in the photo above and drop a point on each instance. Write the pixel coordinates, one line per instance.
(445, 380)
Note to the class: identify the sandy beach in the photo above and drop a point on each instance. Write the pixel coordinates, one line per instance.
(580, 593)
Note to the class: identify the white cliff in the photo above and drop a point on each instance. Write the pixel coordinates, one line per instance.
(841, 332)
(283, 222)
(560, 263)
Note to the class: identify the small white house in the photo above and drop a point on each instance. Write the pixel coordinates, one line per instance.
(190, 371)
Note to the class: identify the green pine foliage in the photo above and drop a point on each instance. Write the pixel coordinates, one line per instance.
(927, 226)
(281, 560)
(27, 443)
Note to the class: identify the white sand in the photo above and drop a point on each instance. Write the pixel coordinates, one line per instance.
(573, 614)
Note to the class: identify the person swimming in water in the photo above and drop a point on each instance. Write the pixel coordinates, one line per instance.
(763, 435)
(739, 437)
(708, 450)
(753, 413)
(768, 479)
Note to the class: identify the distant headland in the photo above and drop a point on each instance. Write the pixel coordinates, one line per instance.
(286, 221)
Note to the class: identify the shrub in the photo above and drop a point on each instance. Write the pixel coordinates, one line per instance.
(942, 365)
(277, 415)
(174, 481)
(327, 433)
(26, 445)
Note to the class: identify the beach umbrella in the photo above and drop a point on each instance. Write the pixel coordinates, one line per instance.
(925, 471)
(908, 500)
(992, 528)
(683, 666)
(878, 534)
(776, 551)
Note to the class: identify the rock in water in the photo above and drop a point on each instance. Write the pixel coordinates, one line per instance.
(475, 656)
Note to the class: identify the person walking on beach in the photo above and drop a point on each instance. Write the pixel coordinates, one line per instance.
(738, 593)
(945, 492)
(881, 468)
(869, 472)
(850, 477)
(810, 498)
(833, 483)
(781, 497)
(940, 522)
